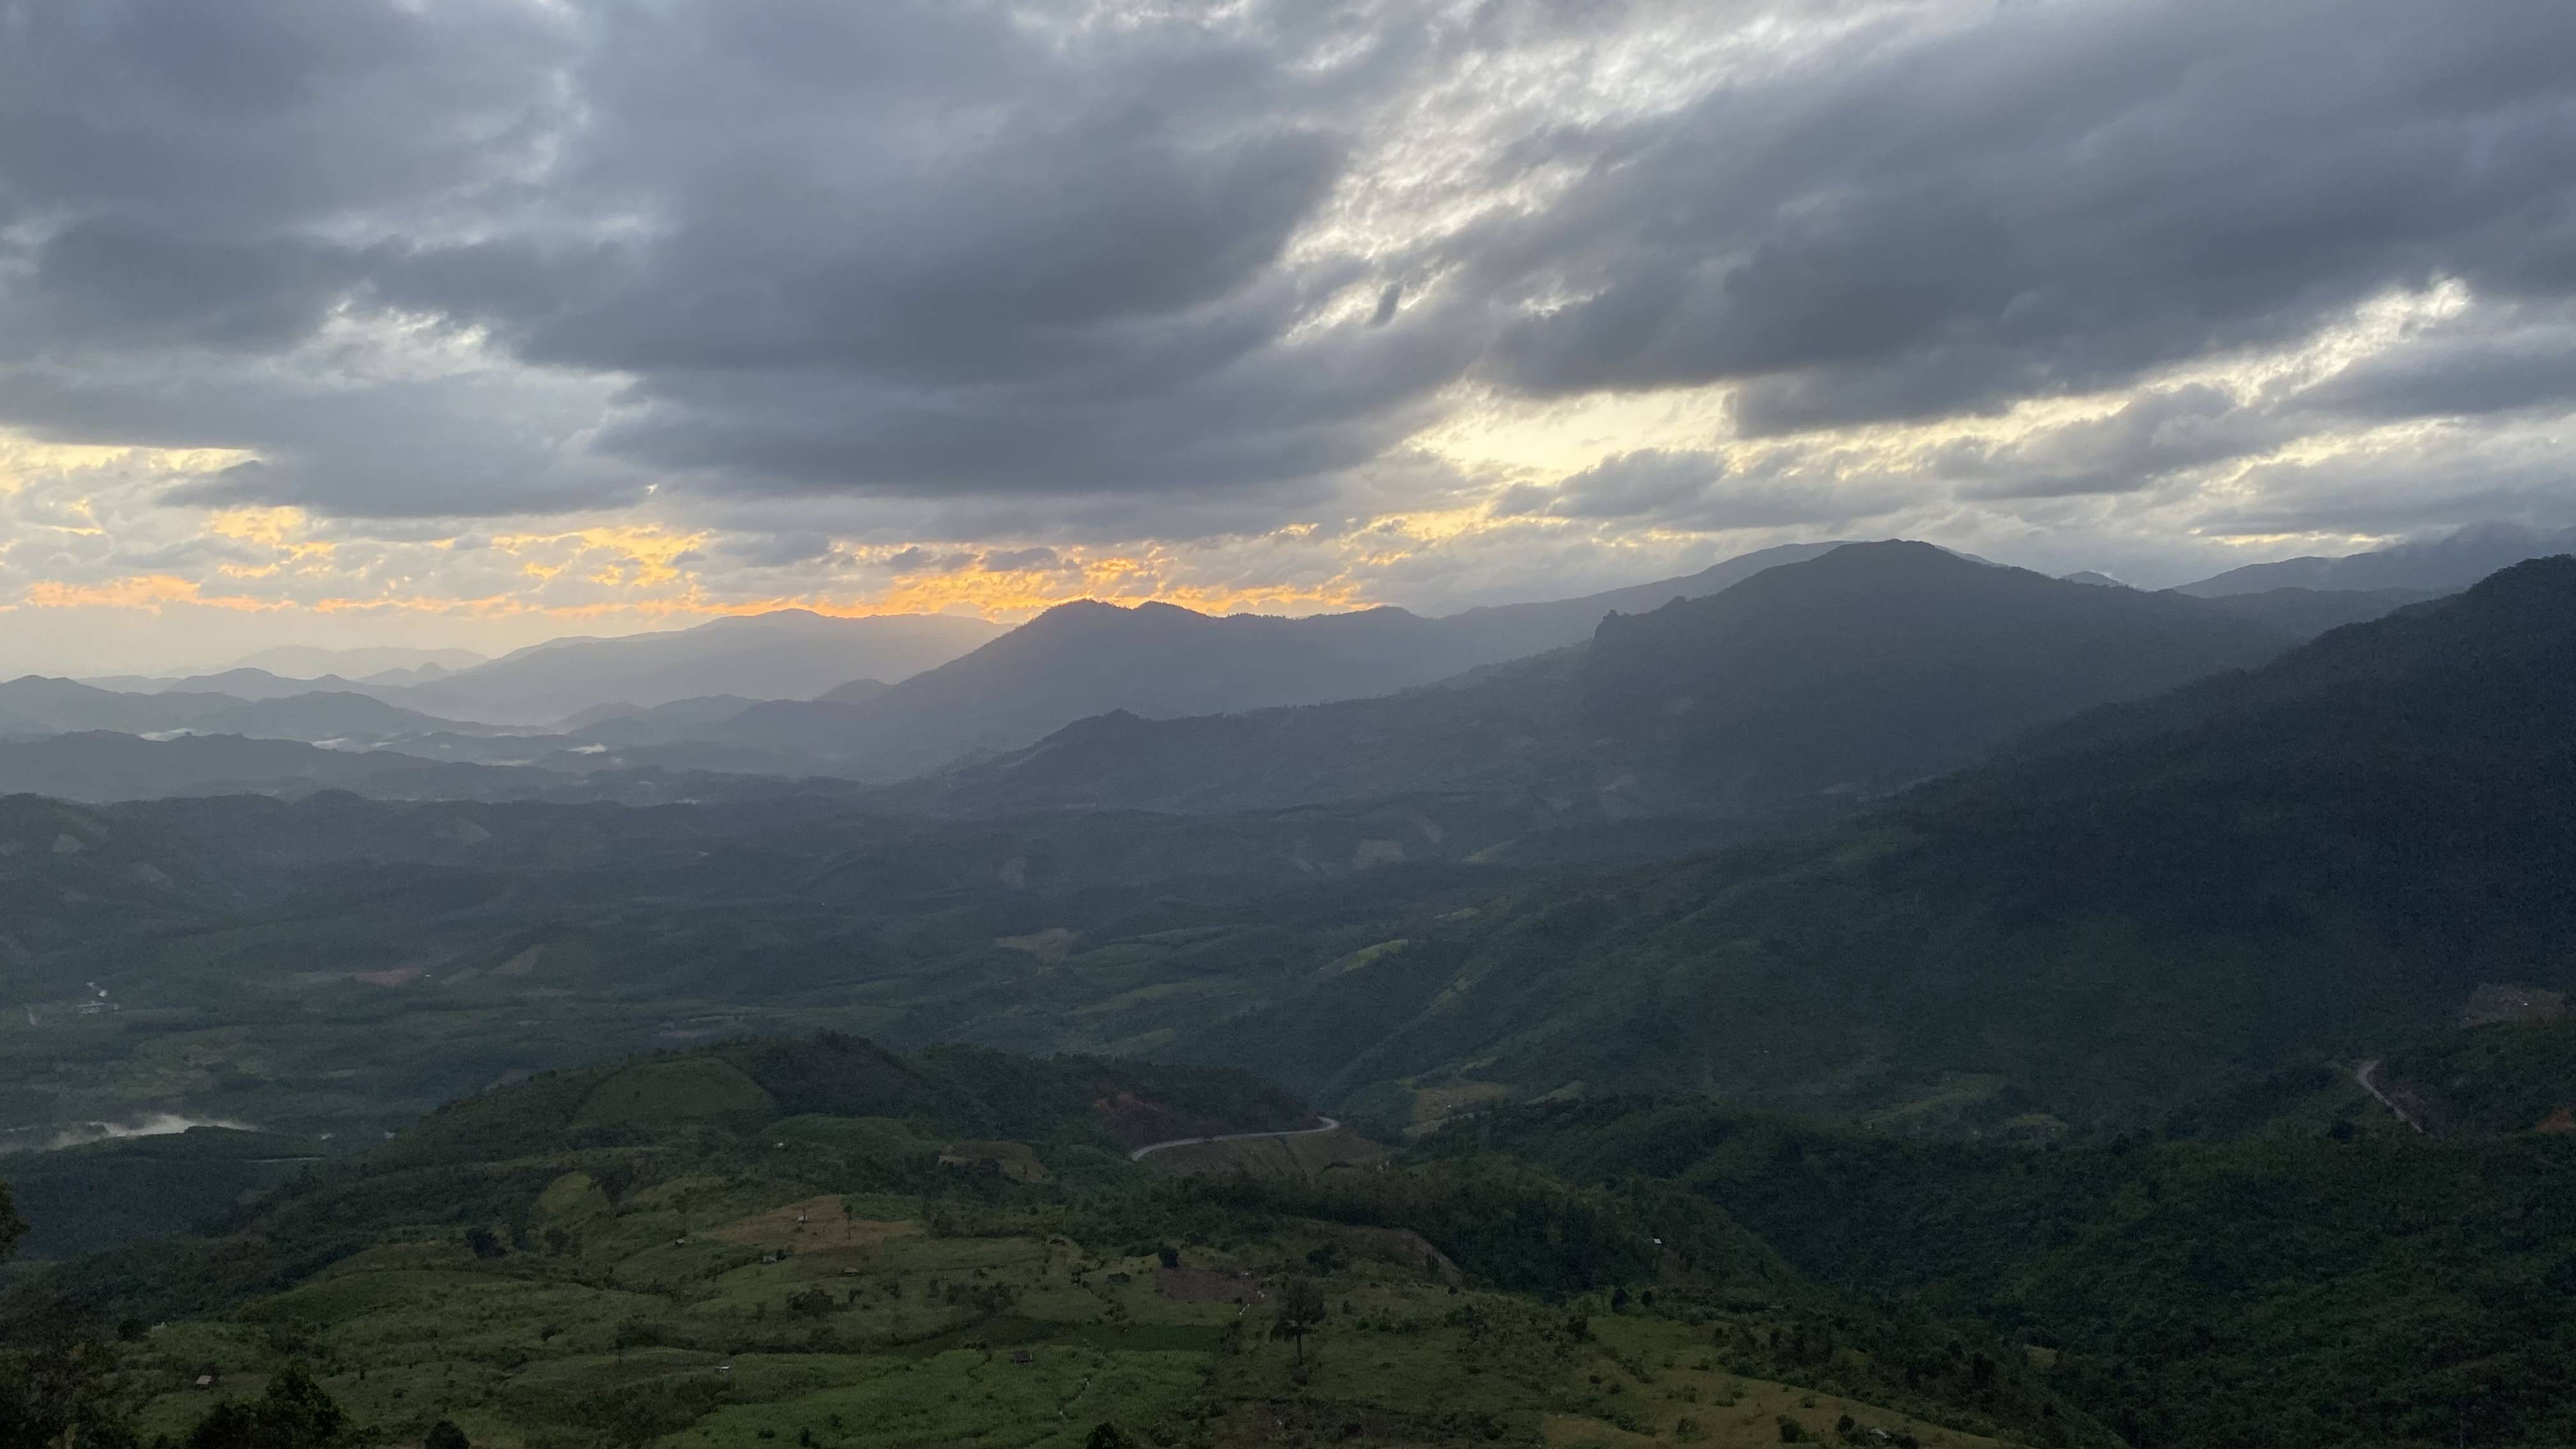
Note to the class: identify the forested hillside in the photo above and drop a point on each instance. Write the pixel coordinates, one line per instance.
(2361, 1286)
(2321, 859)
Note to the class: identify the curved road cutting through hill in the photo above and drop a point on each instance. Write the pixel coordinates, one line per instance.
(1330, 1124)
(2366, 1074)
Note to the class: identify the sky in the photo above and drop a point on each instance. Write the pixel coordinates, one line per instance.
(476, 322)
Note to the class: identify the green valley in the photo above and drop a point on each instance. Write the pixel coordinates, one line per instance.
(2189, 1071)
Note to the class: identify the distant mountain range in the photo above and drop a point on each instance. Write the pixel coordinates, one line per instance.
(1084, 659)
(1534, 628)
(101, 766)
(305, 661)
(636, 703)
(246, 683)
(1829, 680)
(1157, 662)
(1162, 662)
(795, 694)
(38, 705)
(2433, 566)
(787, 654)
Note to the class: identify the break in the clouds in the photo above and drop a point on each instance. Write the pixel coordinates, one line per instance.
(1291, 303)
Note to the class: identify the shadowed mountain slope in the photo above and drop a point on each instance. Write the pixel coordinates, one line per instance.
(1156, 661)
(1087, 658)
(1808, 684)
(2325, 857)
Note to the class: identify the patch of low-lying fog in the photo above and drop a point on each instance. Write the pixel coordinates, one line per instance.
(81, 1134)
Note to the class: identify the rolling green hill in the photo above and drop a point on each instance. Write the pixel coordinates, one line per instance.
(820, 1242)
(640, 1254)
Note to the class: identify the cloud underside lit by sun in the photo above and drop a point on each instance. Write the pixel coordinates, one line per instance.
(481, 321)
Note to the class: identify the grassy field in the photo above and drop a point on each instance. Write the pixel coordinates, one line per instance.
(698, 1313)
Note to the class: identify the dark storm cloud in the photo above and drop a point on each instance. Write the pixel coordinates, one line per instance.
(1193, 404)
(1022, 560)
(922, 560)
(911, 249)
(765, 550)
(2414, 493)
(1626, 486)
(1695, 490)
(2144, 441)
(2452, 376)
(110, 282)
(258, 119)
(474, 443)
(948, 251)
(922, 252)
(2056, 197)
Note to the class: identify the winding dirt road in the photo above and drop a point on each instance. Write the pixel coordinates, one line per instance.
(2363, 1074)
(1330, 1124)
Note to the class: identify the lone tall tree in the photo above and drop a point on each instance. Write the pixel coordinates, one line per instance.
(295, 1413)
(1301, 1310)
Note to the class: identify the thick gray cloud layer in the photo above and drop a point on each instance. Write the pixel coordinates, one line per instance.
(2057, 197)
(957, 251)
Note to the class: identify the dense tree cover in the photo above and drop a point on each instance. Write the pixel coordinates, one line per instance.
(1503, 1223)
(84, 1198)
(55, 1366)
(57, 1377)
(2380, 1290)
(959, 1091)
(2500, 1077)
